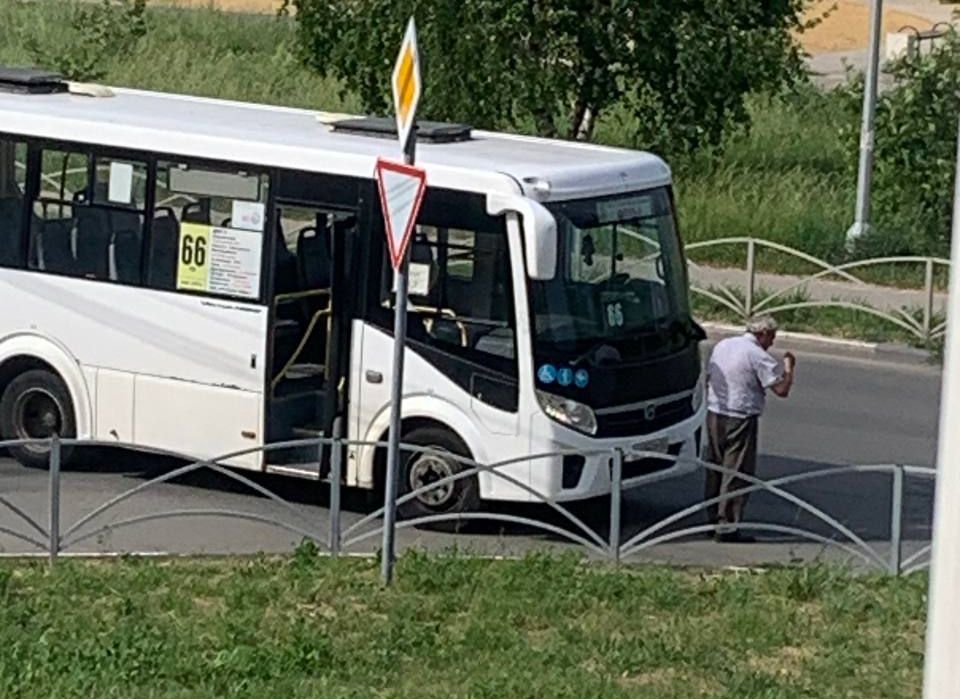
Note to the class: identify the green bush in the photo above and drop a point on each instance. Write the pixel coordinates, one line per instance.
(915, 149)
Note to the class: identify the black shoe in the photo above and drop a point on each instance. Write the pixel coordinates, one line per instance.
(734, 537)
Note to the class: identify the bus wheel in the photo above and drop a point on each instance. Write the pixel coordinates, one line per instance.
(37, 405)
(420, 469)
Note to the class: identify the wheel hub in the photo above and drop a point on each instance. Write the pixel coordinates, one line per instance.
(37, 415)
(426, 470)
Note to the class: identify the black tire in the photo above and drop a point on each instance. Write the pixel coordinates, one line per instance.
(419, 469)
(37, 405)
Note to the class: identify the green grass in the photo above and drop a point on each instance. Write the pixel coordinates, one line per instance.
(783, 181)
(199, 52)
(453, 627)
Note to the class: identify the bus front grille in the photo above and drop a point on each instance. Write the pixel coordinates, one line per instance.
(639, 422)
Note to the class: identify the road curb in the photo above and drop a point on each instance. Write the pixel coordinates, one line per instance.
(887, 351)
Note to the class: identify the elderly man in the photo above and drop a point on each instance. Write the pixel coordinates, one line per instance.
(740, 372)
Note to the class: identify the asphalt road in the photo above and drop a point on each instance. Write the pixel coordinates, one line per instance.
(843, 410)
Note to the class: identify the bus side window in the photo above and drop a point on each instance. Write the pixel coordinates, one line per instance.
(195, 204)
(13, 159)
(459, 291)
(84, 228)
(63, 181)
(120, 193)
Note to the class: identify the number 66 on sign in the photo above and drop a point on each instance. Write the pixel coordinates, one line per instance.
(193, 272)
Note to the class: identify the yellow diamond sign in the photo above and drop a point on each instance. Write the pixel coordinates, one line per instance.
(406, 84)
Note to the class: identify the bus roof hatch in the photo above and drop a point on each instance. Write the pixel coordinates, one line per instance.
(381, 127)
(30, 81)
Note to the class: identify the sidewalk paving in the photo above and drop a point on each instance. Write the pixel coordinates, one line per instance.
(884, 298)
(829, 68)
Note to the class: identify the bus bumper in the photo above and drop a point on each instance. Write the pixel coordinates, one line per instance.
(581, 467)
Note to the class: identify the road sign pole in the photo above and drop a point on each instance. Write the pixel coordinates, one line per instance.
(941, 677)
(388, 555)
(396, 398)
(397, 200)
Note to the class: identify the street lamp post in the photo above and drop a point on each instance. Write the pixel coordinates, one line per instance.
(861, 223)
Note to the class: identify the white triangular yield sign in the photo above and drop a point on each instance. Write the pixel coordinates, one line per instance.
(401, 192)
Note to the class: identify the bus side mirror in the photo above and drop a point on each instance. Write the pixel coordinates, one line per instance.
(539, 232)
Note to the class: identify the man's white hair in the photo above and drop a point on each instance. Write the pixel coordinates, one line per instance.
(762, 324)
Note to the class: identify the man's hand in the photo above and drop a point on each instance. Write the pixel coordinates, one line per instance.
(789, 362)
(782, 388)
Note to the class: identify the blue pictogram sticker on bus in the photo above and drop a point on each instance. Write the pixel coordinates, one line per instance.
(547, 373)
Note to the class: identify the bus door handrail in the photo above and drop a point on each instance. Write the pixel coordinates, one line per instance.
(326, 312)
(448, 313)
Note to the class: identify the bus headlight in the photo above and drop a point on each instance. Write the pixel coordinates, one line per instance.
(569, 412)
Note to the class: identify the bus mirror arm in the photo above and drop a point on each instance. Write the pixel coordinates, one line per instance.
(539, 232)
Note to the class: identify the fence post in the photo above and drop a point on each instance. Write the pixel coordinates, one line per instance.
(928, 305)
(896, 521)
(54, 511)
(616, 499)
(336, 470)
(751, 278)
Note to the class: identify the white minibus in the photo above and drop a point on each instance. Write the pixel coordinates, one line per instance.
(211, 277)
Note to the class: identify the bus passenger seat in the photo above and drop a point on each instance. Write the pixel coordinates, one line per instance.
(197, 212)
(314, 269)
(93, 242)
(53, 246)
(125, 257)
(122, 220)
(11, 213)
(286, 275)
(164, 242)
(313, 258)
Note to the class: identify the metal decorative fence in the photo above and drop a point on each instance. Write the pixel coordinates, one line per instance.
(603, 538)
(744, 300)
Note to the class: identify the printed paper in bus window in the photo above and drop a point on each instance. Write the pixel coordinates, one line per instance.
(222, 261)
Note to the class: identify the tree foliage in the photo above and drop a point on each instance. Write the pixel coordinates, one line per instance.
(681, 68)
(915, 151)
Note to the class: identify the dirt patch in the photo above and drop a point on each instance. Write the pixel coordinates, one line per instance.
(786, 662)
(667, 677)
(264, 6)
(847, 25)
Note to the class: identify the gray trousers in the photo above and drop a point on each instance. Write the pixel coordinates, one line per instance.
(731, 443)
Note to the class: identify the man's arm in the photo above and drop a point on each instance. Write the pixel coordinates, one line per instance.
(782, 387)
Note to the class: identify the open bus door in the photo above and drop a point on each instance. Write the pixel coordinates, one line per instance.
(305, 384)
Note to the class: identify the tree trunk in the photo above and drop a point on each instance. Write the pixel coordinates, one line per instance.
(584, 130)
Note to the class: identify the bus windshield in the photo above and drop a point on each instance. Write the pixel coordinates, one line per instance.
(619, 292)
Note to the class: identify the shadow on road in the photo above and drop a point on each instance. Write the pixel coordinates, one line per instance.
(858, 501)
